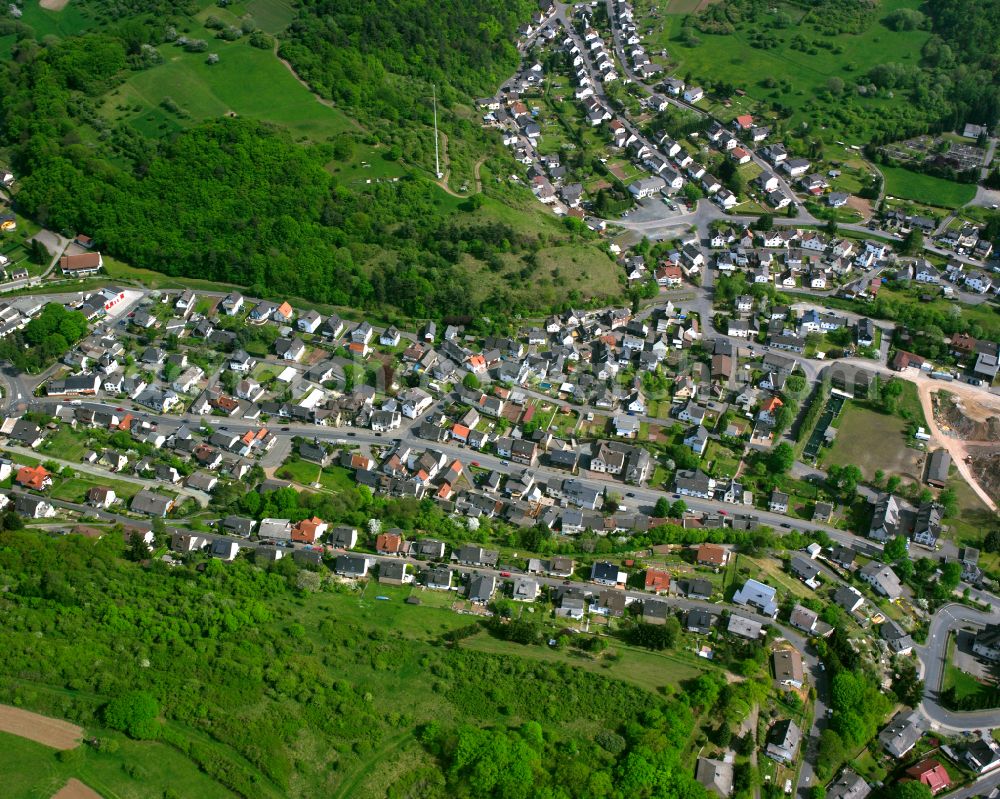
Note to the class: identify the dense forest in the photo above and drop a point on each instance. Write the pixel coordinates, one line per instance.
(350, 51)
(289, 674)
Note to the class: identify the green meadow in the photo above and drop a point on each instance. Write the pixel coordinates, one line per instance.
(247, 81)
(908, 185)
(135, 770)
(67, 22)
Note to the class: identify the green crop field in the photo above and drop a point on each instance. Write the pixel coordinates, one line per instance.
(136, 770)
(927, 189)
(247, 81)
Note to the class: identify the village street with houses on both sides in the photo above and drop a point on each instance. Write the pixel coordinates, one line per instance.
(597, 425)
(152, 416)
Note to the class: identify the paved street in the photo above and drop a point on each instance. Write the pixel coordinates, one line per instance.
(932, 656)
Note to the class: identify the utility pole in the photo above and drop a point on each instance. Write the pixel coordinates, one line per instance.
(437, 161)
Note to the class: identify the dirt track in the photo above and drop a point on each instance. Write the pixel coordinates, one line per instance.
(74, 789)
(50, 732)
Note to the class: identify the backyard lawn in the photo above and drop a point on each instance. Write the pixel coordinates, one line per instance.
(75, 489)
(299, 471)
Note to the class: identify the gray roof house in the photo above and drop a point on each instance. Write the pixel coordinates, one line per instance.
(896, 637)
(783, 741)
(757, 595)
(352, 565)
(882, 579)
(902, 733)
(744, 627)
(481, 588)
(151, 503)
(848, 597)
(848, 786)
(715, 775)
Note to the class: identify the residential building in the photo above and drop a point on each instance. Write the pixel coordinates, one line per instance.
(657, 581)
(927, 525)
(885, 523)
(744, 627)
(932, 774)
(848, 597)
(902, 733)
(803, 619)
(757, 595)
(987, 643)
(983, 755)
(896, 638)
(699, 620)
(783, 741)
(788, 668)
(712, 555)
(606, 573)
(883, 579)
(715, 775)
(848, 785)
(481, 588)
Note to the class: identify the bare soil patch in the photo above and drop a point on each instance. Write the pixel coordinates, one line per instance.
(74, 789)
(861, 205)
(964, 418)
(51, 732)
(985, 467)
(53, 5)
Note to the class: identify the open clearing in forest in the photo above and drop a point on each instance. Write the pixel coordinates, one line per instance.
(51, 732)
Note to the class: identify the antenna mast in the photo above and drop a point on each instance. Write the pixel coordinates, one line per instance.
(437, 161)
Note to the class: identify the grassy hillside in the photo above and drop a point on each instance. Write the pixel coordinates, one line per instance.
(205, 156)
(797, 65)
(250, 82)
(287, 684)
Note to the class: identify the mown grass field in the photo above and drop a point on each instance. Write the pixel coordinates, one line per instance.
(647, 669)
(136, 771)
(927, 189)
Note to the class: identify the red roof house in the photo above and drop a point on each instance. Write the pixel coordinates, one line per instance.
(932, 774)
(34, 477)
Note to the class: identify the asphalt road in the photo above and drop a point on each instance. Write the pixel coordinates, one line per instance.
(932, 655)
